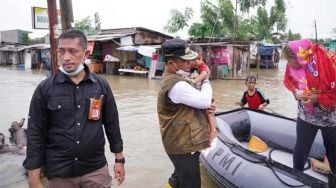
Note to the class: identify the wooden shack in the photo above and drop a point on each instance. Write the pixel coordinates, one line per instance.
(227, 59)
(108, 41)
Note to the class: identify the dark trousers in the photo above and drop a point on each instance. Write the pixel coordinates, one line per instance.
(187, 170)
(306, 133)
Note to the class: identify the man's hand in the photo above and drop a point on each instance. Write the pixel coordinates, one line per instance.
(119, 172)
(34, 178)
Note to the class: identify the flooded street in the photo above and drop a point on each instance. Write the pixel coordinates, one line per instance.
(147, 165)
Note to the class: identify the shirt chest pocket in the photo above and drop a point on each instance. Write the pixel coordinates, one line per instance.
(61, 108)
(89, 96)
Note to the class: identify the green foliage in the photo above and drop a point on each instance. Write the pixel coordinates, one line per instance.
(263, 24)
(293, 36)
(217, 20)
(199, 30)
(226, 12)
(85, 24)
(278, 16)
(209, 13)
(247, 29)
(25, 38)
(97, 22)
(246, 5)
(281, 23)
(178, 20)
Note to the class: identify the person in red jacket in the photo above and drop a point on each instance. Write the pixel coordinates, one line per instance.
(311, 76)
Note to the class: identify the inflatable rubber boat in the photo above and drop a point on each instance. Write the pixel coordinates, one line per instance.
(231, 163)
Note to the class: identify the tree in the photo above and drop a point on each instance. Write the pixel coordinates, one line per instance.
(263, 24)
(199, 30)
(266, 23)
(85, 26)
(293, 36)
(178, 20)
(217, 20)
(278, 16)
(97, 22)
(248, 29)
(25, 38)
(246, 5)
(226, 15)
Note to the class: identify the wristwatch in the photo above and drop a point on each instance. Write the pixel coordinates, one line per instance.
(122, 160)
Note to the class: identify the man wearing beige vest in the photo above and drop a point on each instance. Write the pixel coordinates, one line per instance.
(183, 123)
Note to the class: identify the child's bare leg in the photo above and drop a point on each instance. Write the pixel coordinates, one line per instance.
(212, 126)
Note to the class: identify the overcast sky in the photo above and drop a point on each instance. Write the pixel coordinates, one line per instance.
(154, 14)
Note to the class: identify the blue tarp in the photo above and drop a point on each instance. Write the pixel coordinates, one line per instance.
(267, 49)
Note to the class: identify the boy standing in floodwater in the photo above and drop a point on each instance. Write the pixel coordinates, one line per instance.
(253, 97)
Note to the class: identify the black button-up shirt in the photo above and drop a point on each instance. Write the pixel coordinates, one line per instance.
(61, 138)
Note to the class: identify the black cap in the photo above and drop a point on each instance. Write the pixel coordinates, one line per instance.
(177, 48)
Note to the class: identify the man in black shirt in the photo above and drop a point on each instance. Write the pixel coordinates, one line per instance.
(65, 126)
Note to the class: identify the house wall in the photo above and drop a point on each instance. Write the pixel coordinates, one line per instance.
(3, 58)
(148, 38)
(237, 69)
(28, 60)
(332, 46)
(11, 36)
(122, 55)
(106, 49)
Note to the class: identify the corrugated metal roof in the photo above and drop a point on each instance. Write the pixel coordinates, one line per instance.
(38, 46)
(14, 48)
(106, 37)
(134, 30)
(11, 48)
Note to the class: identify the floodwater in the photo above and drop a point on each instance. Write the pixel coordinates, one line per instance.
(147, 165)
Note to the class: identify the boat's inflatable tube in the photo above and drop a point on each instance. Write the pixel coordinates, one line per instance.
(277, 132)
(230, 166)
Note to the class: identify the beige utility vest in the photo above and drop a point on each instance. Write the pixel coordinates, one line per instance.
(183, 129)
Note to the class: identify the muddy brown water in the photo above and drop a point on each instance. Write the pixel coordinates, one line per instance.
(147, 164)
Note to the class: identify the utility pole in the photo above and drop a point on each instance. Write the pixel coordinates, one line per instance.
(66, 19)
(315, 32)
(235, 22)
(66, 14)
(52, 14)
(235, 25)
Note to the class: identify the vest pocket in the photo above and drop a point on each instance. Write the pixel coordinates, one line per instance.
(177, 137)
(199, 133)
